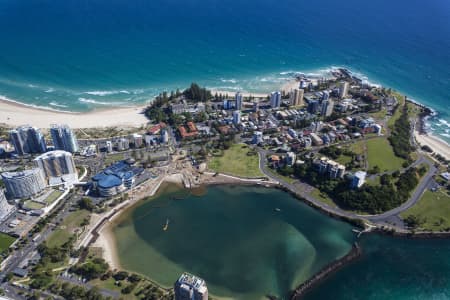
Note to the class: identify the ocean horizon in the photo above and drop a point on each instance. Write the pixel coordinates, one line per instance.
(82, 55)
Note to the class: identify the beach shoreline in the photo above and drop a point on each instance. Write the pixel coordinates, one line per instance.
(104, 236)
(15, 113)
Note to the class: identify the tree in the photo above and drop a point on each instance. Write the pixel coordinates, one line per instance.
(86, 203)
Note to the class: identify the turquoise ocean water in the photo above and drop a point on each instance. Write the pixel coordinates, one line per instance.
(80, 54)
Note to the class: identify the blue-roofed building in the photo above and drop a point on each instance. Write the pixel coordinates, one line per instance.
(115, 179)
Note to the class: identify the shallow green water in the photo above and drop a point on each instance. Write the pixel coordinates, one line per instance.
(233, 238)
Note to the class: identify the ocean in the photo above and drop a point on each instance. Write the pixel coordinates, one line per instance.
(78, 55)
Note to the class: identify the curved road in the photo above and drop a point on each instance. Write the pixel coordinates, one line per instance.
(303, 190)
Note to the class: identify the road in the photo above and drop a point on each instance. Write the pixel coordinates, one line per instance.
(17, 257)
(386, 218)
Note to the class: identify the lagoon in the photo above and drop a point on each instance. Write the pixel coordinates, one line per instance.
(232, 236)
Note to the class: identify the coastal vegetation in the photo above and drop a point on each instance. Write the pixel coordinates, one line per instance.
(401, 135)
(238, 160)
(391, 192)
(159, 111)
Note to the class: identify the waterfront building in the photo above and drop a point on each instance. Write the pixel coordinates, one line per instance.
(123, 144)
(27, 140)
(327, 107)
(58, 167)
(329, 167)
(5, 207)
(115, 179)
(63, 138)
(237, 117)
(296, 97)
(138, 140)
(239, 98)
(23, 184)
(275, 99)
(190, 287)
(343, 89)
(109, 146)
(358, 179)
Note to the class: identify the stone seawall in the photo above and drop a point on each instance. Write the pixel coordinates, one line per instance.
(326, 271)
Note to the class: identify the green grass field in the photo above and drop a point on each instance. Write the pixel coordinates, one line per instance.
(434, 208)
(322, 197)
(53, 196)
(67, 228)
(235, 161)
(285, 178)
(380, 153)
(5, 241)
(33, 205)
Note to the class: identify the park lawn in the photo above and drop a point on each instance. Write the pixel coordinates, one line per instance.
(288, 179)
(66, 229)
(322, 197)
(109, 284)
(235, 161)
(53, 196)
(434, 208)
(380, 153)
(358, 147)
(33, 205)
(5, 241)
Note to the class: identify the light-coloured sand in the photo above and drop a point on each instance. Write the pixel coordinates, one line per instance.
(15, 114)
(437, 145)
(106, 241)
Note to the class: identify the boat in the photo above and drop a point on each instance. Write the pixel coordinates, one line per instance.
(166, 226)
(277, 209)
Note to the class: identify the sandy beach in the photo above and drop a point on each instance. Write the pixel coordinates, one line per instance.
(16, 114)
(437, 145)
(106, 241)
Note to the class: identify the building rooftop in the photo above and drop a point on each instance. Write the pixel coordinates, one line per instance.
(51, 154)
(191, 280)
(20, 174)
(115, 174)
